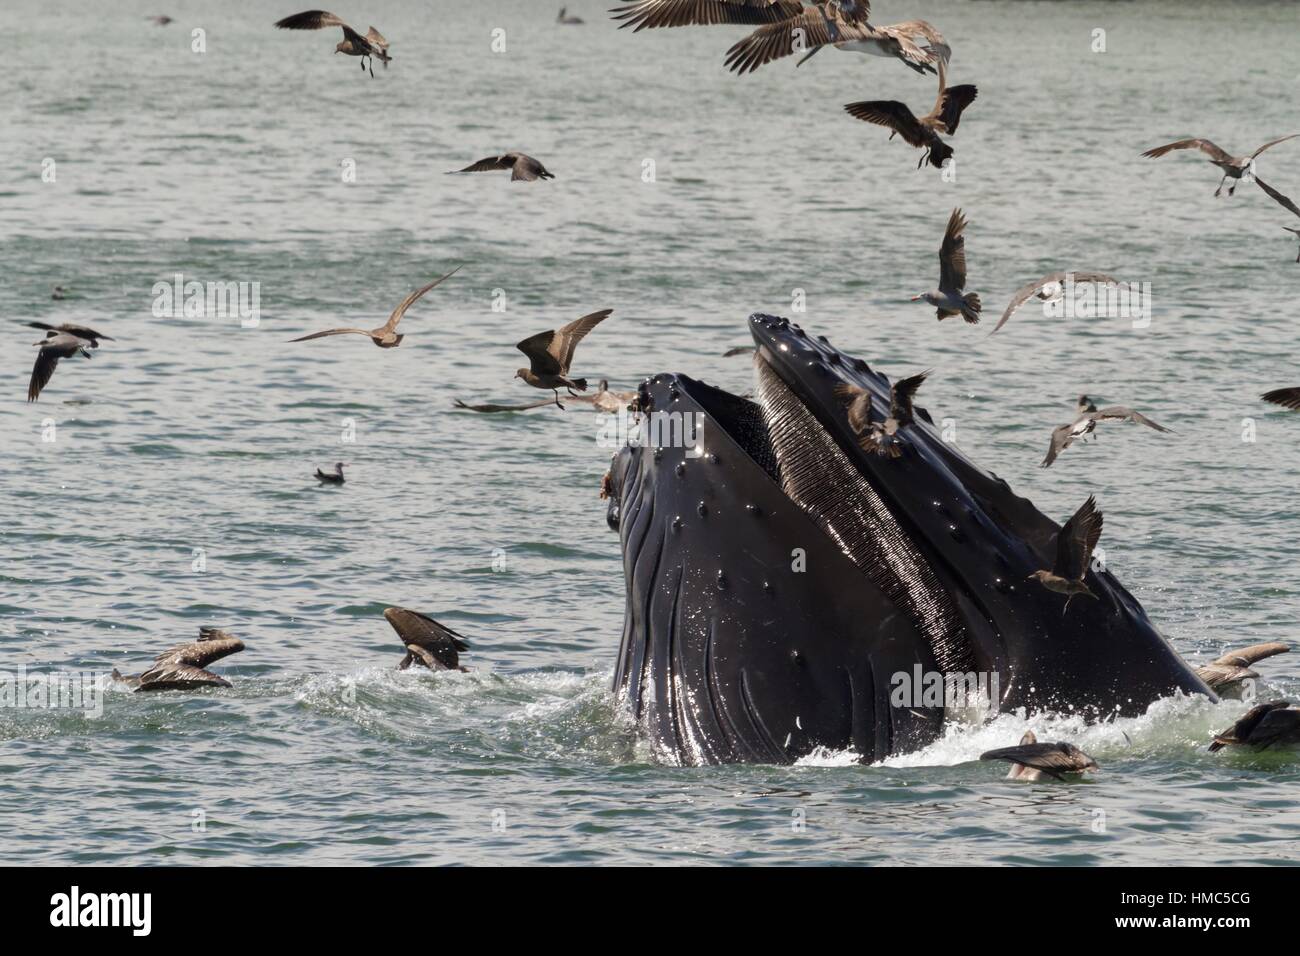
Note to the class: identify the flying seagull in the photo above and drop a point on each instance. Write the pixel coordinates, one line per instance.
(1074, 546)
(386, 336)
(1031, 761)
(1226, 672)
(331, 478)
(873, 436)
(648, 14)
(1050, 287)
(1086, 422)
(948, 299)
(844, 27)
(551, 353)
(1264, 725)
(353, 43)
(923, 131)
(429, 643)
(1234, 167)
(827, 24)
(57, 345)
(160, 20)
(563, 17)
(901, 41)
(522, 167)
(1286, 397)
(183, 666)
(80, 331)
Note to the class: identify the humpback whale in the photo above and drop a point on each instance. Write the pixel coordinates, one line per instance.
(787, 590)
(183, 667)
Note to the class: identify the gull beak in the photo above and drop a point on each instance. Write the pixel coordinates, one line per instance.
(917, 298)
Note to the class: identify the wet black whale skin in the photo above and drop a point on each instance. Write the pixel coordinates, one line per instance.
(728, 654)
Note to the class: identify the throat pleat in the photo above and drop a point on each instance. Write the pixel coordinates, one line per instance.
(818, 476)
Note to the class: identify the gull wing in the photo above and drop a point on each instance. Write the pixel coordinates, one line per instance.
(46, 361)
(501, 408)
(1273, 142)
(410, 299)
(891, 114)
(1245, 656)
(1277, 197)
(1062, 437)
(1286, 397)
(565, 341)
(901, 395)
(649, 14)
(857, 406)
(952, 254)
(1076, 541)
(505, 161)
(313, 20)
(812, 28)
(437, 645)
(1122, 413)
(1052, 759)
(1215, 153)
(318, 335)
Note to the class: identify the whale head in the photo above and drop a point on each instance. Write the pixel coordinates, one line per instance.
(787, 590)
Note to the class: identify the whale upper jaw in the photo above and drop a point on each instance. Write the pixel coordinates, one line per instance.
(731, 651)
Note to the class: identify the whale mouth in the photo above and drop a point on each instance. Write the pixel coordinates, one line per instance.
(817, 474)
(815, 469)
(736, 648)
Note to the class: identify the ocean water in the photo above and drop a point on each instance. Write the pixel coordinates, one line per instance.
(190, 442)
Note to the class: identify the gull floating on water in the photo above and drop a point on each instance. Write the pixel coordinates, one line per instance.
(1075, 543)
(61, 341)
(353, 43)
(1086, 423)
(1234, 167)
(921, 131)
(1263, 726)
(522, 167)
(551, 353)
(1226, 672)
(386, 336)
(183, 667)
(873, 436)
(429, 643)
(1050, 287)
(331, 478)
(949, 298)
(1031, 761)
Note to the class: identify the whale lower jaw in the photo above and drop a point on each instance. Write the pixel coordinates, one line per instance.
(787, 591)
